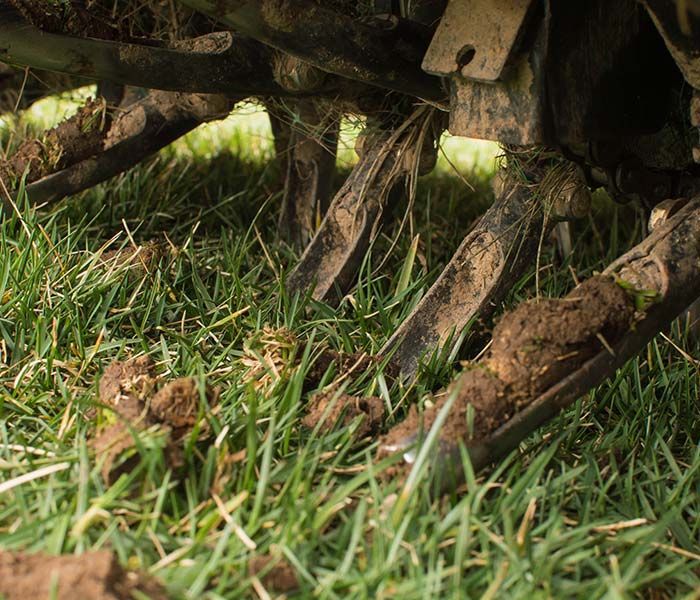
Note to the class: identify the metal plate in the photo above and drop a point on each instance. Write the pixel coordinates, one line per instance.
(475, 38)
(510, 111)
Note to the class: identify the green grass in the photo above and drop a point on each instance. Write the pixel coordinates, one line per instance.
(602, 502)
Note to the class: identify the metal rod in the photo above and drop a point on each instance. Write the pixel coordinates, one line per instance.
(149, 125)
(482, 270)
(388, 57)
(215, 63)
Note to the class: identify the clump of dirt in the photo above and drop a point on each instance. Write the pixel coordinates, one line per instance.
(177, 403)
(75, 139)
(140, 259)
(126, 386)
(275, 573)
(343, 410)
(538, 343)
(534, 346)
(129, 389)
(94, 575)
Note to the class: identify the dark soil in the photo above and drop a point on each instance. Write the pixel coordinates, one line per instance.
(276, 574)
(90, 576)
(534, 346)
(344, 411)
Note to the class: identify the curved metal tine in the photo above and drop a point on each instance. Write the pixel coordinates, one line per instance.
(335, 253)
(229, 65)
(309, 172)
(146, 127)
(487, 263)
(666, 264)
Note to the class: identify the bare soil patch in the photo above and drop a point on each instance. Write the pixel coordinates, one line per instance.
(94, 575)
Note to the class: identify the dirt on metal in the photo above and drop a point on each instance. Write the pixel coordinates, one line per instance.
(282, 14)
(309, 174)
(331, 260)
(67, 18)
(93, 575)
(534, 346)
(75, 139)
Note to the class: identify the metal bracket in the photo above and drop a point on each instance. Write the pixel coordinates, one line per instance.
(475, 38)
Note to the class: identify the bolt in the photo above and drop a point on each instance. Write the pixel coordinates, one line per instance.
(573, 202)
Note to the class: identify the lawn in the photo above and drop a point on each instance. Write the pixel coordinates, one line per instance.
(602, 502)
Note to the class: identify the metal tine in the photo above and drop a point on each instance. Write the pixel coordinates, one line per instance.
(141, 130)
(310, 167)
(331, 260)
(490, 259)
(659, 278)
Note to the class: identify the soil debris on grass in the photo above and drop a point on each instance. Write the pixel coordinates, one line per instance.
(344, 408)
(275, 574)
(140, 259)
(93, 575)
(272, 353)
(130, 389)
(126, 387)
(177, 404)
(534, 346)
